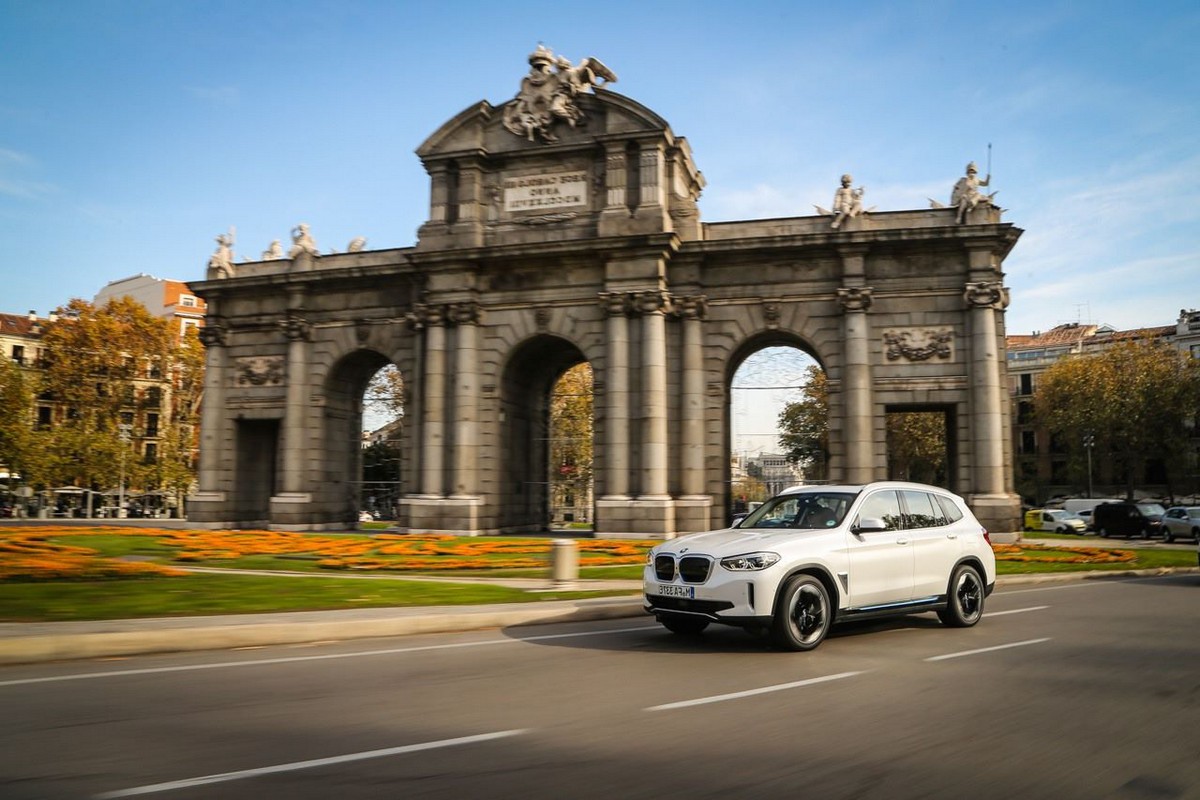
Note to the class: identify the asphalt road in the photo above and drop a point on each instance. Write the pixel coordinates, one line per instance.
(1082, 689)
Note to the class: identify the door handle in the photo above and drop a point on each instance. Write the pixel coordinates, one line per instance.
(951, 535)
(902, 541)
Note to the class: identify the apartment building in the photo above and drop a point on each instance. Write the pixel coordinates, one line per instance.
(1042, 465)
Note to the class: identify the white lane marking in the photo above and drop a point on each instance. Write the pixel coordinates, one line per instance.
(1055, 588)
(297, 765)
(322, 657)
(987, 649)
(718, 698)
(1015, 611)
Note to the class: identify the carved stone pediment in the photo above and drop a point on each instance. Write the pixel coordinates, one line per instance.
(919, 344)
(259, 370)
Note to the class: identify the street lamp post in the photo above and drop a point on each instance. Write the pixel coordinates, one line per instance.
(1089, 440)
(125, 429)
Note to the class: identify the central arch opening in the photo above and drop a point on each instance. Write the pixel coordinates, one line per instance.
(546, 429)
(774, 442)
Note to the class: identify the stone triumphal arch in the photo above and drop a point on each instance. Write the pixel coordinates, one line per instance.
(563, 227)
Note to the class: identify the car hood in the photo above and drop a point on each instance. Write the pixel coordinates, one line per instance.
(734, 541)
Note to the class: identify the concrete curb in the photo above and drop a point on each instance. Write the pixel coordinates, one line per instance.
(74, 641)
(297, 628)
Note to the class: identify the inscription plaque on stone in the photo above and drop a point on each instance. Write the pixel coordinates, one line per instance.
(546, 191)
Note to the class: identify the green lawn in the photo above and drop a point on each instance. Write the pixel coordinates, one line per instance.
(199, 594)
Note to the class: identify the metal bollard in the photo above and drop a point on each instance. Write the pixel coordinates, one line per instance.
(564, 562)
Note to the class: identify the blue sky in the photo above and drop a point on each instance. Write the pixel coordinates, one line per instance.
(132, 133)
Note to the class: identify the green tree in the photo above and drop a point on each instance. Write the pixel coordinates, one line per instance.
(103, 363)
(804, 426)
(916, 446)
(1139, 400)
(16, 419)
(571, 436)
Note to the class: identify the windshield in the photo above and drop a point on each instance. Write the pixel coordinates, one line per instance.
(805, 510)
(1151, 508)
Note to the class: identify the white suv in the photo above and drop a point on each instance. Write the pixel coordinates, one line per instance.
(816, 555)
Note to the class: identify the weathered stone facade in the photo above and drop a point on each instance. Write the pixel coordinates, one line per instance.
(584, 243)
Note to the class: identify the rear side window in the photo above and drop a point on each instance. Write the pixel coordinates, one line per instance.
(921, 510)
(883, 505)
(949, 508)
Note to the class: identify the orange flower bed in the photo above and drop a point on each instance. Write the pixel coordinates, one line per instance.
(1073, 555)
(387, 551)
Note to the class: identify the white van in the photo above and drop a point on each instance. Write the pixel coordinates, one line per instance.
(1083, 506)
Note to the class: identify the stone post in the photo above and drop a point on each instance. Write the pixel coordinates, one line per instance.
(652, 306)
(616, 397)
(692, 310)
(433, 433)
(299, 333)
(215, 336)
(859, 428)
(986, 299)
(465, 316)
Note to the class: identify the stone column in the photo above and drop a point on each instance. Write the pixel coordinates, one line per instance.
(616, 397)
(433, 433)
(214, 335)
(652, 306)
(439, 192)
(986, 299)
(465, 316)
(615, 178)
(299, 334)
(691, 311)
(858, 429)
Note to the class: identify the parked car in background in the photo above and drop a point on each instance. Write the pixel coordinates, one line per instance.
(1054, 520)
(814, 556)
(1084, 506)
(1142, 519)
(1181, 521)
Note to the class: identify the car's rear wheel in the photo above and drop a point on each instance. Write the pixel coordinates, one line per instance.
(1103, 533)
(964, 600)
(685, 626)
(802, 615)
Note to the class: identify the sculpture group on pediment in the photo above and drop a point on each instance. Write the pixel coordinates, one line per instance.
(220, 263)
(274, 252)
(302, 241)
(548, 94)
(966, 195)
(847, 203)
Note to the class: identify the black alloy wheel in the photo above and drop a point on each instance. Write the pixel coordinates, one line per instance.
(964, 600)
(802, 615)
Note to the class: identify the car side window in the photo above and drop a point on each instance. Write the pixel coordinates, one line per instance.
(921, 511)
(949, 508)
(883, 505)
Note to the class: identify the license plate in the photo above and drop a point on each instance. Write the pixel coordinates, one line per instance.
(674, 590)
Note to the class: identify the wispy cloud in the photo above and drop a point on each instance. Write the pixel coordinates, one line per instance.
(12, 184)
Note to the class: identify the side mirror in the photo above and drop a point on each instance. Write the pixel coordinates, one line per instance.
(869, 525)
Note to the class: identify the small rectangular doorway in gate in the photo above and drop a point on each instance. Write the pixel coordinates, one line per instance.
(255, 471)
(921, 444)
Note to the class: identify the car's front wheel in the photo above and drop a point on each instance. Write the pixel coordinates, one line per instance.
(685, 626)
(802, 615)
(964, 601)
(1168, 537)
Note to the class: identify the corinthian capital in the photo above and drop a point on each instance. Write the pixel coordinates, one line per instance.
(855, 298)
(654, 301)
(422, 316)
(615, 304)
(986, 294)
(694, 306)
(213, 334)
(296, 328)
(464, 313)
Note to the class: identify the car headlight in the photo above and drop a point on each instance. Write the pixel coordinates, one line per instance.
(750, 562)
